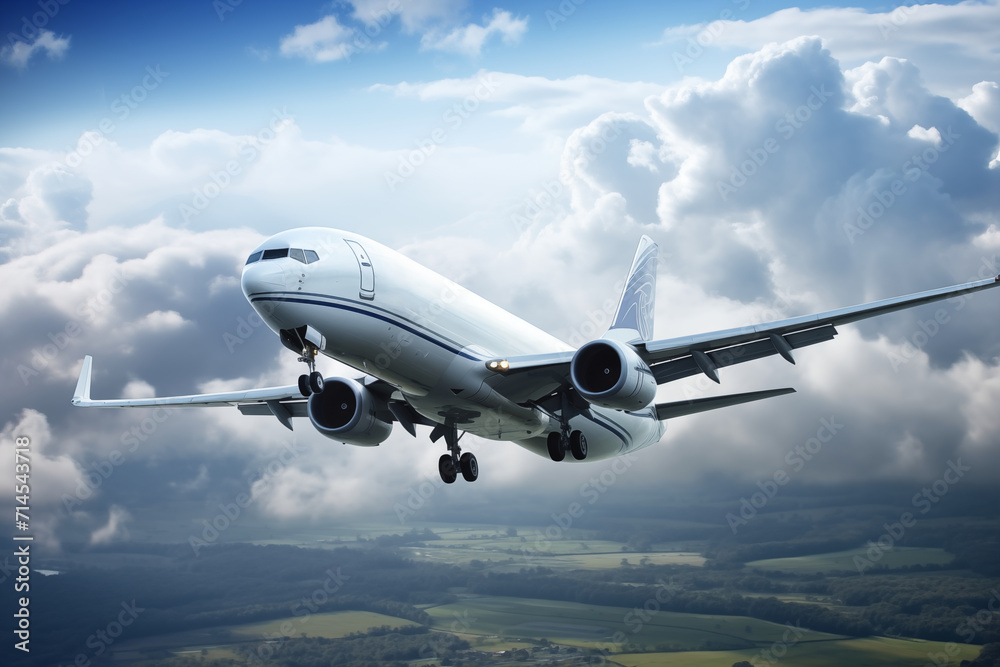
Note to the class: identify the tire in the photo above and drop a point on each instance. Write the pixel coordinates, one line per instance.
(446, 467)
(578, 445)
(304, 387)
(316, 382)
(556, 450)
(470, 467)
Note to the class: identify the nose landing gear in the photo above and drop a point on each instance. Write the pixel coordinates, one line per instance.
(313, 382)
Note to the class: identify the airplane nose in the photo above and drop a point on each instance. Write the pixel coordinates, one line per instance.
(262, 277)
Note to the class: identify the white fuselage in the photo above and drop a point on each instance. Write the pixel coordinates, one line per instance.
(392, 318)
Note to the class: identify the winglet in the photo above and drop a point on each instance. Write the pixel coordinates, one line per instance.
(635, 308)
(82, 393)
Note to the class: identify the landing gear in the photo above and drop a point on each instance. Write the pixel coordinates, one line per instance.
(578, 445)
(313, 382)
(558, 443)
(450, 464)
(446, 467)
(470, 467)
(557, 449)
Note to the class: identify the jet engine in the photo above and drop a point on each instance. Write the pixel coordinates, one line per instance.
(347, 411)
(612, 375)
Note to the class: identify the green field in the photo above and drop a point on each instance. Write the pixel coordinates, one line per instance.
(610, 628)
(867, 652)
(222, 641)
(844, 560)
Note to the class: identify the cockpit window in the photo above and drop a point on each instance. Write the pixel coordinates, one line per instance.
(298, 254)
(275, 253)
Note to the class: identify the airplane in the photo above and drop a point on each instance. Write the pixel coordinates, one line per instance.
(434, 354)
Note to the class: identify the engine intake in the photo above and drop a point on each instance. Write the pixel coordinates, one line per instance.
(347, 411)
(612, 375)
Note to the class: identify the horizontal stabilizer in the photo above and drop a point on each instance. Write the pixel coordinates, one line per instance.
(681, 408)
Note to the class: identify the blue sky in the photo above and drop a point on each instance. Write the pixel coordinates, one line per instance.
(226, 71)
(558, 144)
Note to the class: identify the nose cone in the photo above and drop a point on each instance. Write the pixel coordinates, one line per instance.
(262, 277)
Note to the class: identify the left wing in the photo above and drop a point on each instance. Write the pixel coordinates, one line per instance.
(533, 377)
(282, 402)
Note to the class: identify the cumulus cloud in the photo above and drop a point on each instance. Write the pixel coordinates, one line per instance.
(324, 41)
(951, 42)
(470, 39)
(19, 53)
(751, 183)
(114, 530)
(415, 15)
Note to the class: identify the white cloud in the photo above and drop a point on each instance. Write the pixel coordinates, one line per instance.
(19, 53)
(470, 39)
(415, 15)
(953, 45)
(618, 159)
(114, 530)
(324, 41)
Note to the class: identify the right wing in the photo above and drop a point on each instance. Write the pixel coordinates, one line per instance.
(704, 353)
(532, 377)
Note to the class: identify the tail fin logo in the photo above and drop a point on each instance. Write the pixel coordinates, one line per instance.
(638, 301)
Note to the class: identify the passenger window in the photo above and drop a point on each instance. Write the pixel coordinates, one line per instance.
(311, 256)
(297, 254)
(275, 254)
(254, 257)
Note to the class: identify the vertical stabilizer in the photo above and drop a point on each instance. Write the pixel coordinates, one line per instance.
(634, 317)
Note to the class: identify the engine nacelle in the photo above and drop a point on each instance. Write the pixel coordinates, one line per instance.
(612, 375)
(346, 411)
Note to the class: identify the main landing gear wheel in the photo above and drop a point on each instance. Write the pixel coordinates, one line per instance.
(557, 447)
(470, 467)
(578, 445)
(450, 464)
(446, 466)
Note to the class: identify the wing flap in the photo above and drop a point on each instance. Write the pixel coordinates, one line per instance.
(668, 371)
(682, 408)
(663, 350)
